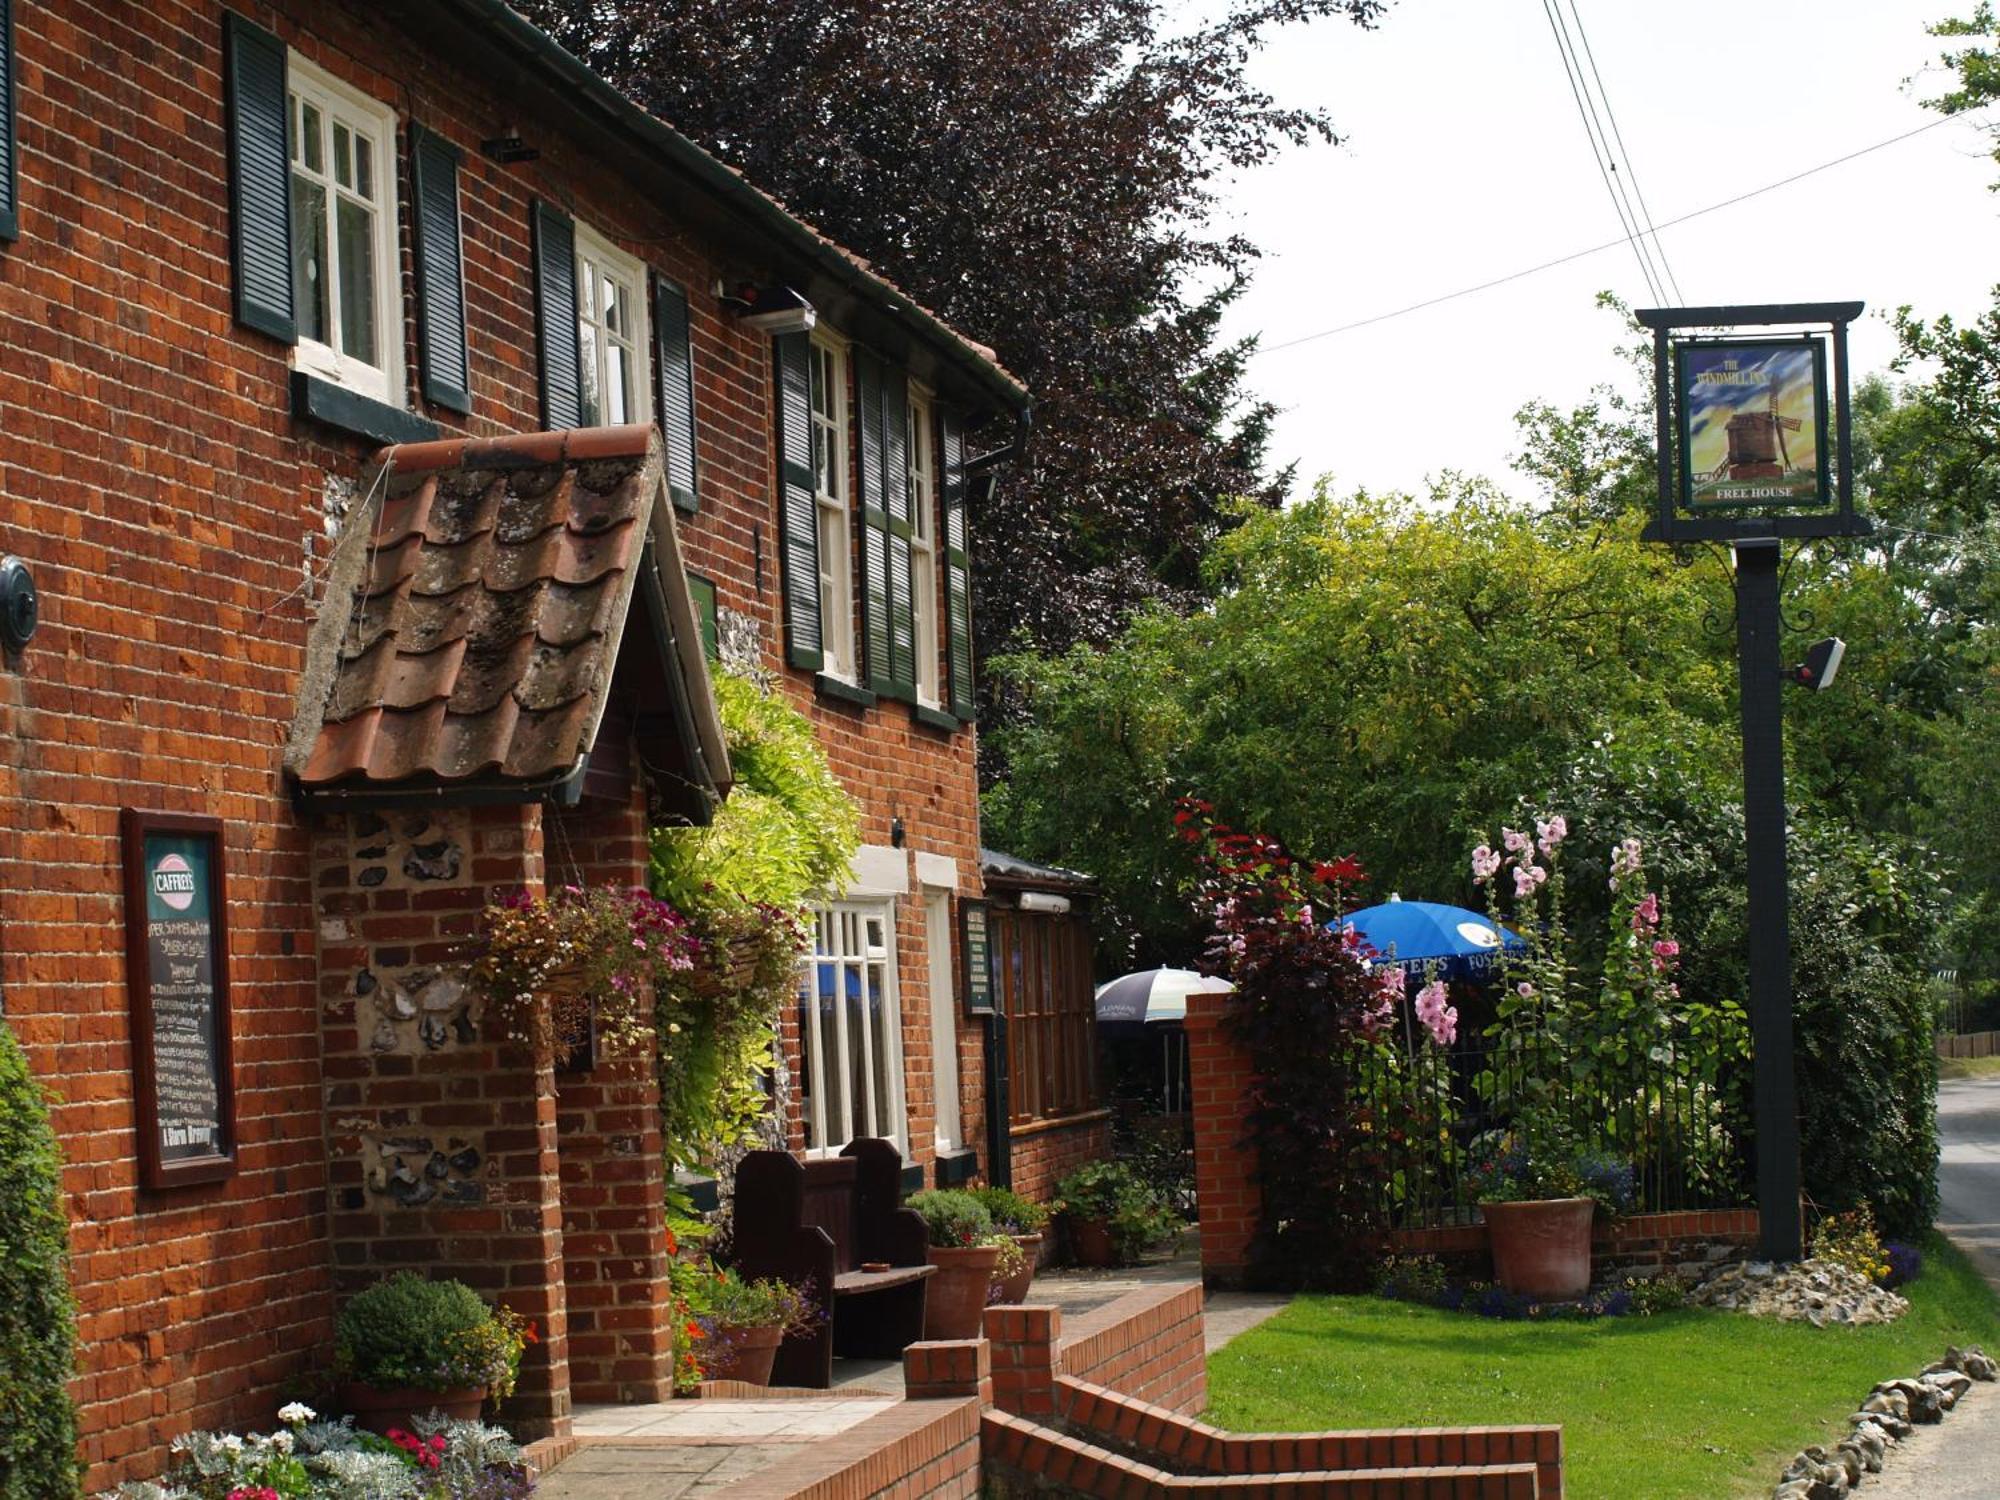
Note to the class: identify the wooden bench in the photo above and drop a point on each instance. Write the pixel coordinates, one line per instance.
(819, 1222)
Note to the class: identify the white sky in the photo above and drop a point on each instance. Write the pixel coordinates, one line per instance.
(1464, 158)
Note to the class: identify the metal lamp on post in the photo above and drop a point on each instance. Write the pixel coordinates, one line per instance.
(1745, 461)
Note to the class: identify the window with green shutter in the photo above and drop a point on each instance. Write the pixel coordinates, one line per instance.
(876, 652)
(555, 318)
(798, 519)
(673, 349)
(255, 80)
(10, 165)
(957, 565)
(442, 357)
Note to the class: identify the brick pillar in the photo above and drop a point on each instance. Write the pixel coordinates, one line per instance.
(1025, 1358)
(1225, 1168)
(613, 1171)
(948, 1368)
(441, 1136)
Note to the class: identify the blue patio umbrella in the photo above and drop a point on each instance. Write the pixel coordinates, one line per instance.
(1414, 935)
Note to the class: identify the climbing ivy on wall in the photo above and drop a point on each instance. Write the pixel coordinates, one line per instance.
(37, 1311)
(785, 837)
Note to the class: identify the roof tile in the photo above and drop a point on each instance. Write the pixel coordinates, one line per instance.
(480, 638)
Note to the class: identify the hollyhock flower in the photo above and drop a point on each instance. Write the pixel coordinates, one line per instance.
(1515, 841)
(1551, 833)
(1485, 864)
(1525, 990)
(1526, 878)
(1439, 1019)
(1646, 913)
(1624, 860)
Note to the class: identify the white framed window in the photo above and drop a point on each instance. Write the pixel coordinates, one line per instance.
(611, 333)
(829, 459)
(944, 1020)
(851, 1029)
(923, 544)
(346, 269)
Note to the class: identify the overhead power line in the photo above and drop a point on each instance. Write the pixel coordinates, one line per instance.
(1632, 172)
(1563, 260)
(1600, 149)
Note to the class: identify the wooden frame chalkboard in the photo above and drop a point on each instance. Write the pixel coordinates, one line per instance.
(177, 980)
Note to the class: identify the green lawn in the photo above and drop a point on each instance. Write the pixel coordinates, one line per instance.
(1685, 1404)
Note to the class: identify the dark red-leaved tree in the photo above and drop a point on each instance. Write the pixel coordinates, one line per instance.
(1043, 174)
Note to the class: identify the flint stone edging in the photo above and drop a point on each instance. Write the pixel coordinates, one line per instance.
(1885, 1419)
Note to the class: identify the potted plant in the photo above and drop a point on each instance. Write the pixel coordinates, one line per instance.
(1022, 1222)
(408, 1345)
(1539, 1193)
(1113, 1216)
(963, 1247)
(743, 1322)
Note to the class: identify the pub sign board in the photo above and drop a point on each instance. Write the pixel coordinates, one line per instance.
(177, 980)
(975, 944)
(1753, 424)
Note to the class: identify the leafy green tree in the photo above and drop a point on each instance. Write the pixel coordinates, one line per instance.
(1976, 64)
(1045, 175)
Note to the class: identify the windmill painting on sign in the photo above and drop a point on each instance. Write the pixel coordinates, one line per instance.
(1753, 424)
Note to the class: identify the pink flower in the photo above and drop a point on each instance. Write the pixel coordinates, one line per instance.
(1485, 864)
(1664, 953)
(1526, 878)
(1440, 1019)
(1624, 860)
(1525, 990)
(1646, 913)
(1516, 841)
(1551, 833)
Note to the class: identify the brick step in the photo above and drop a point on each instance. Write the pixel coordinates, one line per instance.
(1025, 1457)
(1164, 1439)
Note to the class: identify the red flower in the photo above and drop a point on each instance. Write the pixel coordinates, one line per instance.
(693, 1330)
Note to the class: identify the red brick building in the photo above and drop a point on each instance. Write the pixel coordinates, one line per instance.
(287, 294)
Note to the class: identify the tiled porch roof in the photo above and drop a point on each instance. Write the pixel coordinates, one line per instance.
(476, 611)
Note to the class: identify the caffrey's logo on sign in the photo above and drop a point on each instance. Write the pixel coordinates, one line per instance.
(173, 882)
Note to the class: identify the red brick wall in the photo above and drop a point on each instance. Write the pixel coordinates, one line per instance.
(1226, 1190)
(172, 510)
(1687, 1240)
(1148, 1344)
(1047, 1151)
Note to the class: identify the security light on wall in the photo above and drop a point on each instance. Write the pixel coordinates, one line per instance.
(774, 310)
(1048, 905)
(1821, 665)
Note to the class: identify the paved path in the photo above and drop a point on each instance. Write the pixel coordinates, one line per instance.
(1960, 1458)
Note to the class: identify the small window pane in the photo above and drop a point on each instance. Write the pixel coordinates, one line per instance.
(614, 308)
(309, 257)
(592, 404)
(364, 167)
(617, 384)
(343, 142)
(315, 161)
(355, 256)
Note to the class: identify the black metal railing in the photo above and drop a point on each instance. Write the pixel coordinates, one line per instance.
(1662, 1104)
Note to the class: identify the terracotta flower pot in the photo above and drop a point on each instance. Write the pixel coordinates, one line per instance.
(1091, 1242)
(955, 1300)
(378, 1408)
(1015, 1288)
(1541, 1248)
(745, 1354)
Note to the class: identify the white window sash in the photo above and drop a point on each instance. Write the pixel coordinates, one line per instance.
(947, 1126)
(841, 955)
(836, 553)
(595, 252)
(376, 122)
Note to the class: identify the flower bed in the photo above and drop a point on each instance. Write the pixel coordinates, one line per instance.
(307, 1459)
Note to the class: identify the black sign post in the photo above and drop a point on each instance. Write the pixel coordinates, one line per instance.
(177, 980)
(1749, 469)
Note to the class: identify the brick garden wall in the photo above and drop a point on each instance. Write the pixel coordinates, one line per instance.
(174, 513)
(1045, 1152)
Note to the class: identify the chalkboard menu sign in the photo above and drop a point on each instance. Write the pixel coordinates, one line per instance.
(977, 948)
(177, 975)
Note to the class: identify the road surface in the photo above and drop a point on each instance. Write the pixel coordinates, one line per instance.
(1960, 1458)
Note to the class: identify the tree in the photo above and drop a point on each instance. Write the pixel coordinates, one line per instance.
(1977, 65)
(1044, 175)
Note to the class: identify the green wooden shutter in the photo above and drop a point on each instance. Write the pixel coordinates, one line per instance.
(555, 318)
(902, 588)
(676, 359)
(957, 565)
(260, 177)
(878, 670)
(442, 357)
(702, 591)
(798, 511)
(10, 166)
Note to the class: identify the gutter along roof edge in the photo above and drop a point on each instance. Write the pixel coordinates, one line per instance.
(762, 212)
